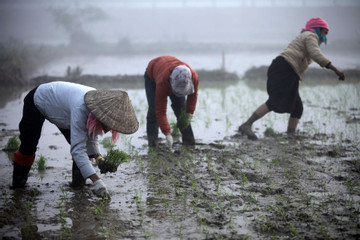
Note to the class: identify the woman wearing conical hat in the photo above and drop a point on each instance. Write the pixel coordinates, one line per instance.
(81, 113)
(285, 73)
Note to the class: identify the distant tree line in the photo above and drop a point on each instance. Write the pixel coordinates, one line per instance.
(18, 61)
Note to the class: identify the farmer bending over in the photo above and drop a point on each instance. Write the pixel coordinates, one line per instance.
(81, 113)
(168, 76)
(284, 75)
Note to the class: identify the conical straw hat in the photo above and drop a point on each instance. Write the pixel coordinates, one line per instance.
(114, 109)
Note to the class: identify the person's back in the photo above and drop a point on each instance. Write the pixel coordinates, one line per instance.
(302, 51)
(57, 100)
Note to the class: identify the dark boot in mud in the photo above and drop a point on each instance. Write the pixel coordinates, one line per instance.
(152, 142)
(187, 136)
(20, 176)
(22, 165)
(246, 129)
(78, 182)
(183, 123)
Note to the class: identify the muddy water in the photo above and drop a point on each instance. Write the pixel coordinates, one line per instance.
(226, 187)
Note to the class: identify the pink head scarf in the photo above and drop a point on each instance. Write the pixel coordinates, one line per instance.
(315, 22)
(96, 128)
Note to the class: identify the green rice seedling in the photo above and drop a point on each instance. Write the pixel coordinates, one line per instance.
(264, 225)
(106, 232)
(207, 121)
(332, 197)
(242, 178)
(137, 157)
(185, 198)
(349, 183)
(106, 142)
(65, 230)
(29, 231)
(231, 226)
(13, 144)
(269, 132)
(127, 140)
(99, 208)
(175, 130)
(193, 182)
(227, 122)
(112, 160)
(41, 163)
(64, 197)
(140, 205)
(217, 181)
(349, 202)
(245, 237)
(205, 230)
(149, 234)
(255, 164)
(324, 231)
(293, 230)
(180, 232)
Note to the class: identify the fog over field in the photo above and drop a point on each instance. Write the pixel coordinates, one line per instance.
(254, 22)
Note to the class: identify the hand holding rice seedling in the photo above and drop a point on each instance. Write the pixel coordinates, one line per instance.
(112, 160)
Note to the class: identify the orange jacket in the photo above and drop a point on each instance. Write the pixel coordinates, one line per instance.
(159, 70)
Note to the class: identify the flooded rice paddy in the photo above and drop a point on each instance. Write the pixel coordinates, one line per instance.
(226, 187)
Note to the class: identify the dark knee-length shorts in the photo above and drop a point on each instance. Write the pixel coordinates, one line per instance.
(283, 89)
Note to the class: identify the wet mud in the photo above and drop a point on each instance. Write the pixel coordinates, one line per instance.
(278, 187)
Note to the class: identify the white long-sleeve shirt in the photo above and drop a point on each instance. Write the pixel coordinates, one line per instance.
(62, 103)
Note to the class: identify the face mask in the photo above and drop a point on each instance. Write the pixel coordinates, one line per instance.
(321, 36)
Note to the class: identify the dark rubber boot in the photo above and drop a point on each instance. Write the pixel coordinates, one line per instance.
(152, 141)
(78, 182)
(188, 136)
(20, 176)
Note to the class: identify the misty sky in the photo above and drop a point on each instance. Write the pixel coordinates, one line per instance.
(191, 21)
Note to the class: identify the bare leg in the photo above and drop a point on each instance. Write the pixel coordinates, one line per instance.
(293, 122)
(262, 110)
(246, 127)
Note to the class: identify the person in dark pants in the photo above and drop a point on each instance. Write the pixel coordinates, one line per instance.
(285, 73)
(167, 76)
(81, 113)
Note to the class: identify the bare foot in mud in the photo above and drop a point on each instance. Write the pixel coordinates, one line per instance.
(246, 129)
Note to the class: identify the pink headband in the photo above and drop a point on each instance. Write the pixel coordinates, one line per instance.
(315, 22)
